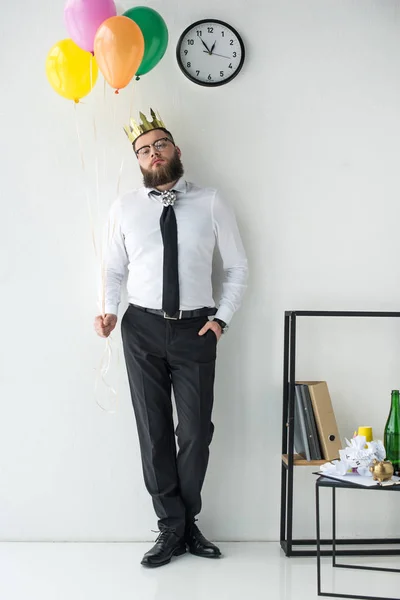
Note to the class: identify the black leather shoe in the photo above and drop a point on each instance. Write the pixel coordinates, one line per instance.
(198, 544)
(168, 544)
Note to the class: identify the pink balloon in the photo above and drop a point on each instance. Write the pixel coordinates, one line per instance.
(84, 17)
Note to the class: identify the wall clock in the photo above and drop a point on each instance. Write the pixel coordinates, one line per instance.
(210, 52)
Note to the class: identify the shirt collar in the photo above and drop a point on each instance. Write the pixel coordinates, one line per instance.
(180, 186)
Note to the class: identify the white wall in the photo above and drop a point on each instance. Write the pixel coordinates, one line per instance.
(305, 144)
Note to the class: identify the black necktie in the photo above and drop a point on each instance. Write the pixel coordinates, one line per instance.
(169, 233)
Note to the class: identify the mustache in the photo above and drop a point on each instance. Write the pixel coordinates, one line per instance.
(172, 170)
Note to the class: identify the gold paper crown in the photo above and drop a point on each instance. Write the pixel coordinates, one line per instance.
(133, 130)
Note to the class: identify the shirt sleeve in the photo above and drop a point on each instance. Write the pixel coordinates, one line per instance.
(115, 261)
(233, 259)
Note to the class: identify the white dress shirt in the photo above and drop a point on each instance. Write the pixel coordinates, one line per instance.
(203, 220)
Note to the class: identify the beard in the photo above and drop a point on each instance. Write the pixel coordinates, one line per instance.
(166, 173)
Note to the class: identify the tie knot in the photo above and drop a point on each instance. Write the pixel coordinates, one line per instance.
(168, 198)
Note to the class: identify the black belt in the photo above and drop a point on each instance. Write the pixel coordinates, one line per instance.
(182, 314)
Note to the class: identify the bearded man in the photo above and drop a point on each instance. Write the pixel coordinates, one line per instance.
(164, 235)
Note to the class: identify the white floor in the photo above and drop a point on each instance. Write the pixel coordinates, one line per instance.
(248, 571)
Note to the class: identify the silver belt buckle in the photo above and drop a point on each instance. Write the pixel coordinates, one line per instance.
(173, 318)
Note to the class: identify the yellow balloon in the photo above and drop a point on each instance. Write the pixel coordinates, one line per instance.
(71, 71)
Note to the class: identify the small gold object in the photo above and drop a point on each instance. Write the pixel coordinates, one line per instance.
(381, 470)
(134, 130)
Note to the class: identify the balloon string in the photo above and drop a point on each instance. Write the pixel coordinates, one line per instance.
(105, 361)
(106, 145)
(132, 99)
(114, 106)
(102, 372)
(108, 240)
(104, 90)
(119, 176)
(96, 163)
(85, 183)
(102, 297)
(91, 74)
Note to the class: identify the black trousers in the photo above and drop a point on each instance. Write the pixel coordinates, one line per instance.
(161, 354)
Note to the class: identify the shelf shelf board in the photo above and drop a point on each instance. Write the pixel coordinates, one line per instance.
(299, 461)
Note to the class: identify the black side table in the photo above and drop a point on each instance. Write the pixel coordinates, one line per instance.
(325, 482)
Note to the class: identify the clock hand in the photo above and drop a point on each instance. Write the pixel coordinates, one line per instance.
(212, 47)
(214, 54)
(205, 45)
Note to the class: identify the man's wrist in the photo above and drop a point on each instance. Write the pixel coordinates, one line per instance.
(222, 324)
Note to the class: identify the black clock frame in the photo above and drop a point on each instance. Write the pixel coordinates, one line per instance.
(213, 83)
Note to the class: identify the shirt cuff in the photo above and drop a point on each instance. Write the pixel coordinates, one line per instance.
(224, 313)
(111, 309)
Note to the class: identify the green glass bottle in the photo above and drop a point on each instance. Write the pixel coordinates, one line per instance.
(392, 432)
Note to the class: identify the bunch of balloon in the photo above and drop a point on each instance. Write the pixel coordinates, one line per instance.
(120, 46)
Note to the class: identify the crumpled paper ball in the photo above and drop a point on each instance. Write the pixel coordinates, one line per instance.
(356, 457)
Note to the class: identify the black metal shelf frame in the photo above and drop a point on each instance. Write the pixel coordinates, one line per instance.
(287, 541)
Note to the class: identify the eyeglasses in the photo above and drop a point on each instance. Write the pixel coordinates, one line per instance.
(159, 145)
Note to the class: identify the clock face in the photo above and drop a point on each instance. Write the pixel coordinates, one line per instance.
(210, 52)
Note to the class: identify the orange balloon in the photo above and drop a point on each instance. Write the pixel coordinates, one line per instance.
(119, 49)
